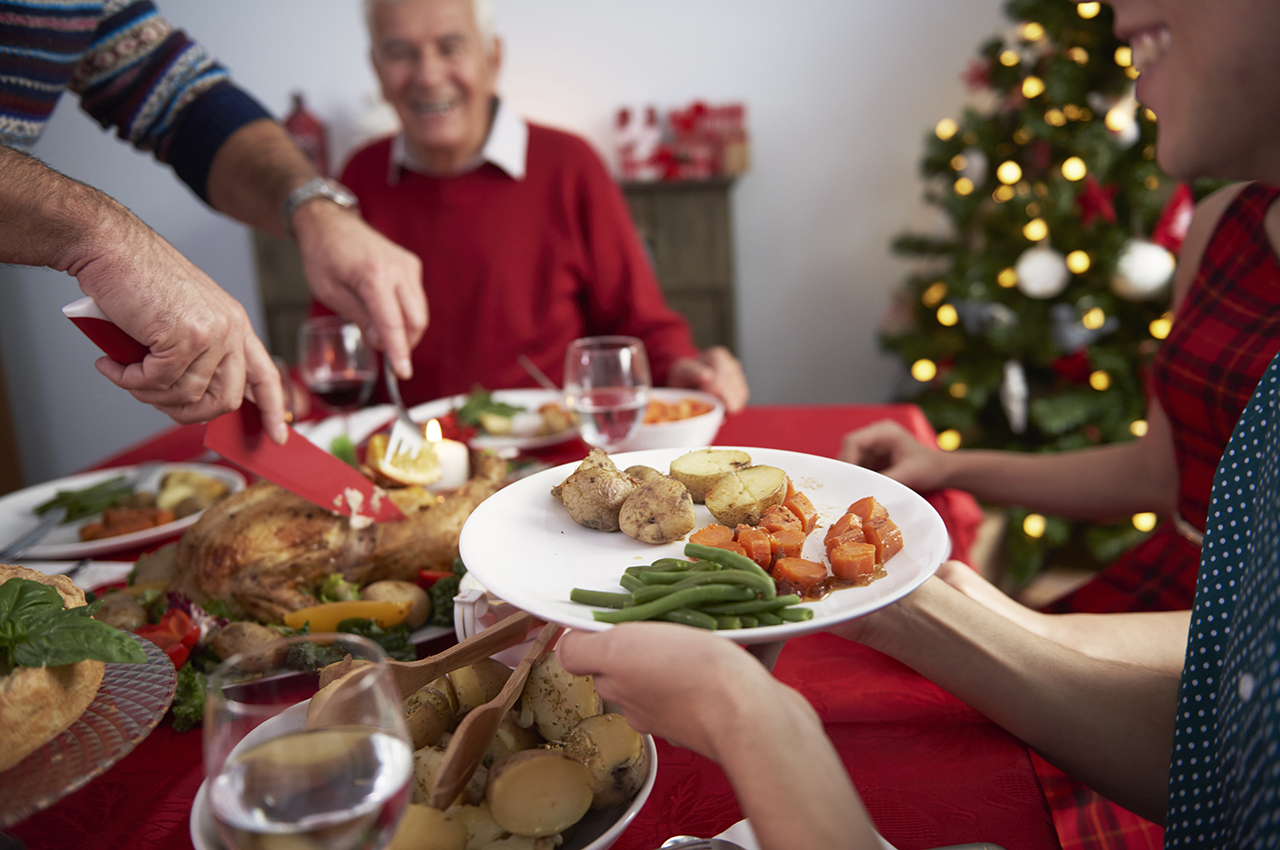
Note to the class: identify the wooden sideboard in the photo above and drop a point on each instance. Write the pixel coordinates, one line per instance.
(687, 227)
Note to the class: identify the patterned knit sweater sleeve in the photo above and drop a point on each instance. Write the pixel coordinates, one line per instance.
(132, 70)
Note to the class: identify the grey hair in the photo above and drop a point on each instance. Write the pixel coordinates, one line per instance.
(482, 9)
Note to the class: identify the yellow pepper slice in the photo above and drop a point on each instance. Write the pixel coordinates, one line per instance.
(326, 616)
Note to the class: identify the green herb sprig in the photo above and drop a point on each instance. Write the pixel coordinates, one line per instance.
(37, 631)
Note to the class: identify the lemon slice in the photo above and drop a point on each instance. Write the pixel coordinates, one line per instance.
(404, 467)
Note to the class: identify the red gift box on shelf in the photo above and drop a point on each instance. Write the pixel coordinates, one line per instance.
(698, 142)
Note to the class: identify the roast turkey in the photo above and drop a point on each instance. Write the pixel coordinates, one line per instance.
(264, 550)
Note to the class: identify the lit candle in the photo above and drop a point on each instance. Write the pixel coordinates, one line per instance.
(454, 457)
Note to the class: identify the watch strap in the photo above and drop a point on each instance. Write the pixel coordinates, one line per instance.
(317, 187)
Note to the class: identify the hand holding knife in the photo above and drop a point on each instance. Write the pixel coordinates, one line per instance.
(239, 436)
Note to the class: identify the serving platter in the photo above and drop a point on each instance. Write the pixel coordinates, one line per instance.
(521, 545)
(128, 705)
(17, 514)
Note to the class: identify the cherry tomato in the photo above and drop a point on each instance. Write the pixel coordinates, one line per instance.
(176, 634)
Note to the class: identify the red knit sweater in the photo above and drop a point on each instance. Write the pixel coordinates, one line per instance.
(512, 266)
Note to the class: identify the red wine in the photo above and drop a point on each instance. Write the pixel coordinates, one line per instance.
(344, 392)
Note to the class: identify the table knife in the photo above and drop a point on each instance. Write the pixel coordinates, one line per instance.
(50, 520)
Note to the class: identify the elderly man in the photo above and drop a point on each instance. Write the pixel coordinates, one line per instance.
(163, 93)
(526, 242)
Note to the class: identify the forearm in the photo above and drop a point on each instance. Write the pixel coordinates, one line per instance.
(1107, 723)
(49, 219)
(788, 778)
(1111, 480)
(1153, 639)
(254, 171)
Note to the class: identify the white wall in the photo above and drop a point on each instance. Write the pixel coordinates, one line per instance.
(839, 94)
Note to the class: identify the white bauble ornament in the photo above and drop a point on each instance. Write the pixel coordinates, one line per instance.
(1042, 272)
(1014, 395)
(1143, 271)
(975, 165)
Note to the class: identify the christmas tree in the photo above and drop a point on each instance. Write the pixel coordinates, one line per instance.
(1030, 324)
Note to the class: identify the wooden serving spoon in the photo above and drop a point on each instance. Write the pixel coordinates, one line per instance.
(472, 737)
(409, 676)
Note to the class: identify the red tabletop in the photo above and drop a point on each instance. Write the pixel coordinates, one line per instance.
(931, 770)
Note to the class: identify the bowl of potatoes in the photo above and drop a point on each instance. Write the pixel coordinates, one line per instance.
(561, 773)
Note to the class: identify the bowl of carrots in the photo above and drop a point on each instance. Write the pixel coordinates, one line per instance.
(676, 418)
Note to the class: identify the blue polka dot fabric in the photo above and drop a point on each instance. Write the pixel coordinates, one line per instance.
(1224, 779)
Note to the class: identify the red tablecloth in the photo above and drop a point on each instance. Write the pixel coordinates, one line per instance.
(931, 770)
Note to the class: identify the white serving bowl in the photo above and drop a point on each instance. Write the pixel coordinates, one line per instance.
(695, 431)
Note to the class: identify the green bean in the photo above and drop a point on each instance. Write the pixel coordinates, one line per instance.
(673, 576)
(753, 605)
(796, 615)
(599, 598)
(687, 597)
(631, 583)
(728, 622)
(691, 617)
(88, 501)
(760, 584)
(768, 618)
(723, 556)
(749, 621)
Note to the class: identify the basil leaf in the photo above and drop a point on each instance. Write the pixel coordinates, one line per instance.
(70, 637)
(28, 602)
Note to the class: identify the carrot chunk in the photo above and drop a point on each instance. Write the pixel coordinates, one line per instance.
(712, 535)
(846, 524)
(802, 573)
(787, 543)
(853, 561)
(885, 535)
(757, 544)
(777, 518)
(867, 509)
(800, 505)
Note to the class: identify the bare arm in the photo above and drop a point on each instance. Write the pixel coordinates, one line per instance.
(352, 269)
(1105, 481)
(203, 350)
(705, 693)
(1107, 723)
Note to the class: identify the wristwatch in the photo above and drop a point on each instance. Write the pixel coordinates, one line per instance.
(317, 187)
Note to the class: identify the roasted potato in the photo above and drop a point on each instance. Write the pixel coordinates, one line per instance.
(121, 610)
(699, 470)
(594, 493)
(659, 511)
(614, 753)
(643, 474)
(478, 683)
(429, 714)
(184, 484)
(743, 496)
(538, 792)
(555, 701)
(425, 828)
(241, 635)
(392, 590)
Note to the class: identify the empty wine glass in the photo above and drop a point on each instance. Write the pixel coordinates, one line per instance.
(338, 780)
(336, 364)
(606, 383)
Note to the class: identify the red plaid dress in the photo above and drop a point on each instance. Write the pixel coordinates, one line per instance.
(1224, 336)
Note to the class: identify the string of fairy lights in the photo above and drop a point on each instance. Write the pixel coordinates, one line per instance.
(1119, 118)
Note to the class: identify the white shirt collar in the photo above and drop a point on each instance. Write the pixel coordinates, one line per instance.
(506, 147)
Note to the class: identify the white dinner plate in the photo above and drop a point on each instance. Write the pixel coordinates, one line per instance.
(522, 546)
(17, 515)
(367, 422)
